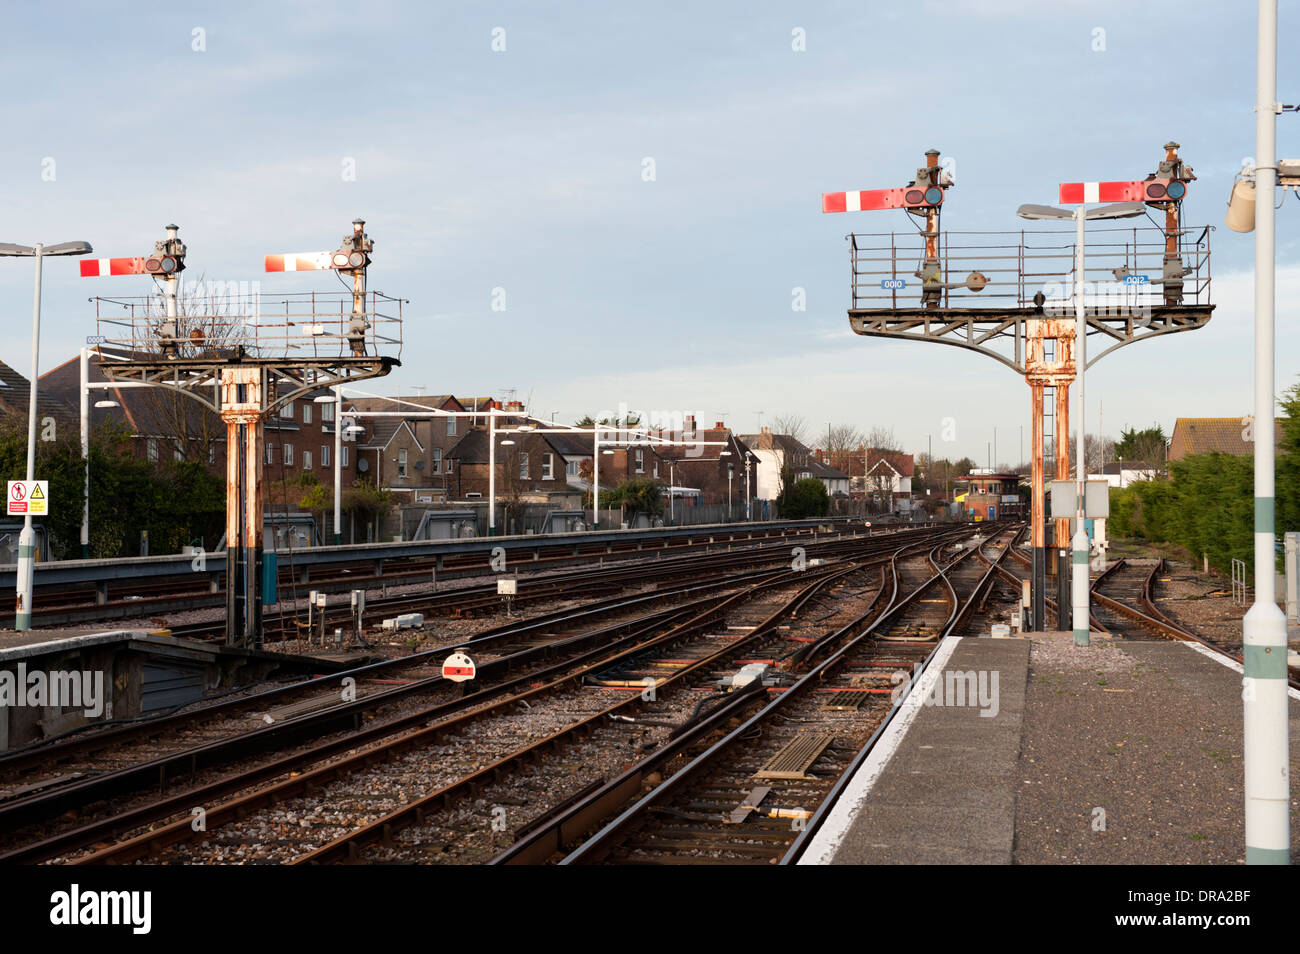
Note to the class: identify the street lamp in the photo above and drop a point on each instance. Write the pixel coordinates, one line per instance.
(1119, 210)
(27, 539)
(337, 400)
(731, 470)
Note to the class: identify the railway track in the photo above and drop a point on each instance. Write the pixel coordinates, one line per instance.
(1130, 601)
(79, 798)
(749, 796)
(532, 717)
(91, 602)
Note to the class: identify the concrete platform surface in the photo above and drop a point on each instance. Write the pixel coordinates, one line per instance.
(1124, 752)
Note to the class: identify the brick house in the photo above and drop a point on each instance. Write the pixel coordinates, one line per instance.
(532, 467)
(718, 476)
(298, 439)
(163, 425)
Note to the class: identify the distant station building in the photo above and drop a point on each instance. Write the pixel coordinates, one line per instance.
(990, 495)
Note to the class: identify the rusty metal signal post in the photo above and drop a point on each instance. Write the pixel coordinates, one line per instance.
(244, 355)
(1016, 305)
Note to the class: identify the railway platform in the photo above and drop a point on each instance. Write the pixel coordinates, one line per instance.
(1124, 752)
(127, 672)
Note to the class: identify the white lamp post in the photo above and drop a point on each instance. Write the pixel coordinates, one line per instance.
(1264, 635)
(1080, 592)
(27, 539)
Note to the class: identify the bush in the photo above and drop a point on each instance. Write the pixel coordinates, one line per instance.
(806, 498)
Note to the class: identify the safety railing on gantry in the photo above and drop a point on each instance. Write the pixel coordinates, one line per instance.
(1126, 269)
(216, 325)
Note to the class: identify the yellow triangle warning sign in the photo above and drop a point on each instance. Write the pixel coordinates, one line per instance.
(36, 492)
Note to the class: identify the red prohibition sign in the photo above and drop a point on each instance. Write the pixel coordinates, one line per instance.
(18, 491)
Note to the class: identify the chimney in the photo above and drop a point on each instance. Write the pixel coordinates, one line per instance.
(688, 427)
(719, 426)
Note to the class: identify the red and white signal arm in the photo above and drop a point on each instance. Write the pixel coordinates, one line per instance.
(1142, 190)
(458, 667)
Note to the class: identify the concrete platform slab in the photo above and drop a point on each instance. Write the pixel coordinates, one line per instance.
(1122, 752)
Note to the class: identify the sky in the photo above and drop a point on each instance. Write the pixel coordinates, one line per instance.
(518, 176)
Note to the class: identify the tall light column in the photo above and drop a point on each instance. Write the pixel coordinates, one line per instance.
(492, 472)
(338, 467)
(1264, 694)
(85, 453)
(27, 539)
(1079, 590)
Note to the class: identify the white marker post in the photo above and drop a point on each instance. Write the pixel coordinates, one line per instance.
(1264, 695)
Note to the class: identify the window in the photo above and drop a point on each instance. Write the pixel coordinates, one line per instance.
(523, 466)
(451, 427)
(306, 460)
(327, 412)
(151, 449)
(212, 453)
(324, 455)
(640, 461)
(288, 455)
(571, 468)
(178, 449)
(548, 467)
(450, 461)
(343, 456)
(270, 453)
(437, 460)
(306, 412)
(286, 412)
(401, 462)
(656, 471)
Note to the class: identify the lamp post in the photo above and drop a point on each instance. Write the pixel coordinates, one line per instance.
(337, 400)
(1264, 634)
(1080, 592)
(749, 496)
(86, 386)
(731, 470)
(27, 539)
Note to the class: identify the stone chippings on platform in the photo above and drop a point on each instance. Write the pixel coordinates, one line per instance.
(1155, 741)
(1151, 732)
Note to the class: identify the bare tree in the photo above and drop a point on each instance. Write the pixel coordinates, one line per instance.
(210, 322)
(1101, 451)
(882, 438)
(843, 445)
(791, 425)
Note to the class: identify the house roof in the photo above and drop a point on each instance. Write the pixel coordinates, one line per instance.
(148, 412)
(824, 471)
(382, 430)
(570, 445)
(15, 392)
(1206, 435)
(781, 443)
(900, 463)
(1118, 467)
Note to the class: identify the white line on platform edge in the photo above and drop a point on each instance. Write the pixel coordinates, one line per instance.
(1227, 661)
(827, 841)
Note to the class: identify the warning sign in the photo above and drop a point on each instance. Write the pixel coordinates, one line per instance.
(26, 497)
(458, 667)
